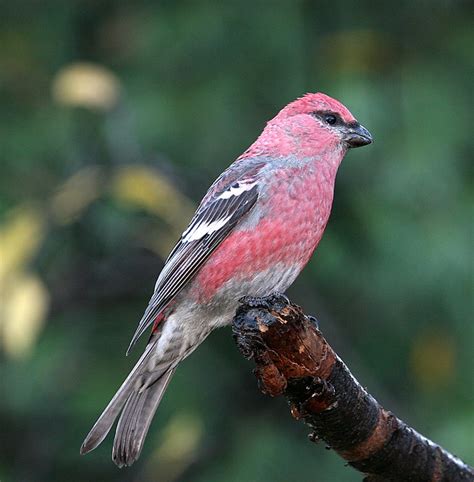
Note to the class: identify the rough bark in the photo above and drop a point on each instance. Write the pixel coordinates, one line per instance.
(294, 359)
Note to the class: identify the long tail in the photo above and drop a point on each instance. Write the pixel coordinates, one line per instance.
(138, 402)
(135, 421)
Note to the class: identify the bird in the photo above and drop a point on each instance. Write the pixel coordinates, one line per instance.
(252, 234)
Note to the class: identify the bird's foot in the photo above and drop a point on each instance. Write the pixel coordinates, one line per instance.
(275, 300)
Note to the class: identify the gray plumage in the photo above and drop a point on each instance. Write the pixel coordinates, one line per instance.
(135, 421)
(137, 400)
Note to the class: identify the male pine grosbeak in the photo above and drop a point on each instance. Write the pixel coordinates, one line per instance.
(252, 234)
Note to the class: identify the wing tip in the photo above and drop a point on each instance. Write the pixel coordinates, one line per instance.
(88, 445)
(142, 327)
(135, 338)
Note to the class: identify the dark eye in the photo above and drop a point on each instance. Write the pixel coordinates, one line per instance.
(330, 119)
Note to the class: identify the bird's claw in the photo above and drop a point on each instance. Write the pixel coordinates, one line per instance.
(266, 301)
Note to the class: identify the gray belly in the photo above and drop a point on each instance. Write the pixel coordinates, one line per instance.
(191, 322)
(222, 308)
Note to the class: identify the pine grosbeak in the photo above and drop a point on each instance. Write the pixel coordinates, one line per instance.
(252, 234)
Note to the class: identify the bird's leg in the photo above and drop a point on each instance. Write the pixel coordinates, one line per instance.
(278, 300)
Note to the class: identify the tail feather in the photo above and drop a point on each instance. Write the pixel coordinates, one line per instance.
(104, 423)
(135, 420)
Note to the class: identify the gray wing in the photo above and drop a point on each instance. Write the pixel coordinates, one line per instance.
(211, 224)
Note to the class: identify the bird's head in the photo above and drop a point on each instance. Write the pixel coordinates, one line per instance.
(322, 119)
(313, 126)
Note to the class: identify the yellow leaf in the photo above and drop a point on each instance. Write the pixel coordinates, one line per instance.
(181, 439)
(22, 314)
(20, 238)
(144, 187)
(76, 194)
(85, 84)
(432, 359)
(147, 188)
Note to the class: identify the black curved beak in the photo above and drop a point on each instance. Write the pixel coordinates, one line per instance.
(357, 135)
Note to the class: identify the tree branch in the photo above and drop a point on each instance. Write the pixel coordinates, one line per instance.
(294, 359)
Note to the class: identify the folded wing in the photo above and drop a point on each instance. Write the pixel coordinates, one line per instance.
(215, 218)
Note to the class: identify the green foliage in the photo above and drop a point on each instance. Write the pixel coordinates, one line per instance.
(95, 186)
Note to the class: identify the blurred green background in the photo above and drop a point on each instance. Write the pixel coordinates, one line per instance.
(116, 116)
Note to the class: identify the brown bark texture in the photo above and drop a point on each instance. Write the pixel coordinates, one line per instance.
(294, 359)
